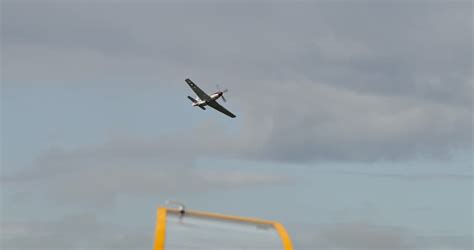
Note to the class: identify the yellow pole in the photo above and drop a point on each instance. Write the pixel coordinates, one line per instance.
(160, 231)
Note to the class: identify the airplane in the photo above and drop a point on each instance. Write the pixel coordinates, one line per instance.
(204, 99)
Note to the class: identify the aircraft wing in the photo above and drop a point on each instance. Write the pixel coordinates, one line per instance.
(201, 94)
(218, 107)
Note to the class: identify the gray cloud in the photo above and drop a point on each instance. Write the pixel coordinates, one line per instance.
(389, 48)
(346, 125)
(413, 177)
(80, 231)
(327, 81)
(311, 82)
(365, 235)
(129, 167)
(359, 236)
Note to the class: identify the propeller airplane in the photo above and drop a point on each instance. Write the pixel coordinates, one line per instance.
(204, 99)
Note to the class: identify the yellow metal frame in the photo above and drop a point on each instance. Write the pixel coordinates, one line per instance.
(160, 231)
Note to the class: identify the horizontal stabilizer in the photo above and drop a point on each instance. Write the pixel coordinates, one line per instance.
(192, 99)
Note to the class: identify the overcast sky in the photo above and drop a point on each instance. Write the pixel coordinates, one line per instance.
(354, 120)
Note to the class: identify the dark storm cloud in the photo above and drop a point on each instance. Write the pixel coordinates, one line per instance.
(326, 81)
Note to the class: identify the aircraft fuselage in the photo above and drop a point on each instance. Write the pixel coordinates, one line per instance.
(213, 97)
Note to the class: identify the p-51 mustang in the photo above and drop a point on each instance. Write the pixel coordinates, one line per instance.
(204, 99)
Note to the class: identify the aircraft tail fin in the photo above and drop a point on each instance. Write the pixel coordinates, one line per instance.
(194, 101)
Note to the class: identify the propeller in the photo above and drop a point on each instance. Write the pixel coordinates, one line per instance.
(223, 91)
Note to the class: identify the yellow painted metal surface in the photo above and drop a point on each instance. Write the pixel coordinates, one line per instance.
(160, 231)
(160, 235)
(285, 238)
(222, 217)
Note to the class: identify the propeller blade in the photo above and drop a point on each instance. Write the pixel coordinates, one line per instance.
(225, 90)
(223, 98)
